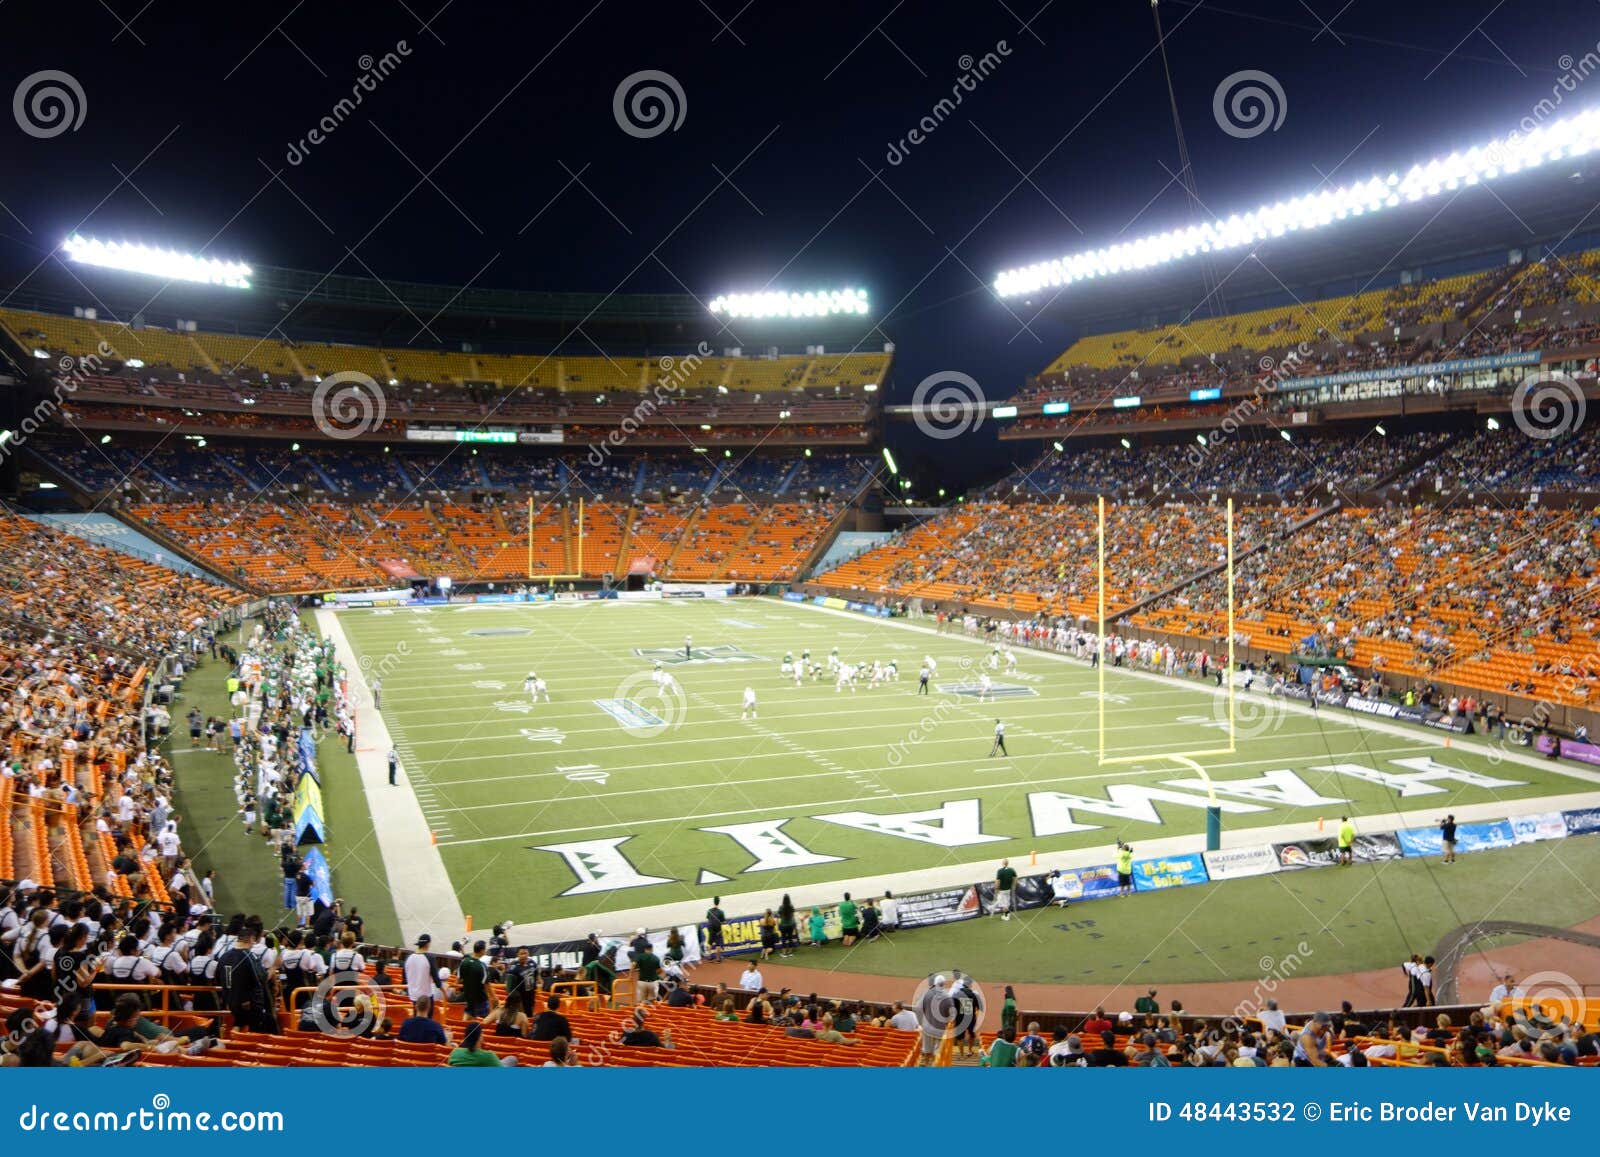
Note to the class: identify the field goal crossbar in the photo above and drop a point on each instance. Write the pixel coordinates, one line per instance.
(1189, 759)
(550, 578)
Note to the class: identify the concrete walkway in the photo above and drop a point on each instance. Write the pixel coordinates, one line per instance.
(424, 899)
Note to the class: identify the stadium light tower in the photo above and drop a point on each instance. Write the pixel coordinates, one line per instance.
(775, 303)
(1515, 152)
(131, 257)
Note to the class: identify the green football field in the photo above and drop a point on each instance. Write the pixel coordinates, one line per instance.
(618, 795)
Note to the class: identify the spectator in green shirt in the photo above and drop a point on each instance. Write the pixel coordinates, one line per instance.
(1005, 882)
(848, 925)
(1002, 1053)
(470, 1054)
(647, 976)
(1147, 1004)
(474, 977)
(818, 928)
(1008, 1012)
(603, 970)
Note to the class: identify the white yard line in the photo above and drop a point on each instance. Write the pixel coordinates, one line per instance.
(786, 809)
(424, 899)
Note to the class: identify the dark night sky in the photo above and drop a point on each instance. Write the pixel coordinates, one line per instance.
(501, 103)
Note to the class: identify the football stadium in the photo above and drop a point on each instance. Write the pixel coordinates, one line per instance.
(975, 577)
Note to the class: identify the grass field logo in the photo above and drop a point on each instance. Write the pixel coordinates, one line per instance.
(646, 708)
(676, 656)
(995, 691)
(1548, 405)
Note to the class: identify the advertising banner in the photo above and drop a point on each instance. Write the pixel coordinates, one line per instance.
(321, 878)
(1084, 883)
(1169, 872)
(1582, 821)
(1540, 826)
(1469, 838)
(1570, 749)
(920, 909)
(1323, 853)
(1430, 369)
(1235, 863)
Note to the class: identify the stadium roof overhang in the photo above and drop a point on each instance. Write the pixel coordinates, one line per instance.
(1473, 228)
(364, 310)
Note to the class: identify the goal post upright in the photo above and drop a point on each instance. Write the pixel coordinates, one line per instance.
(576, 576)
(1100, 624)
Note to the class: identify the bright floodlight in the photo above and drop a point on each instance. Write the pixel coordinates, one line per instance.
(777, 304)
(1570, 137)
(134, 258)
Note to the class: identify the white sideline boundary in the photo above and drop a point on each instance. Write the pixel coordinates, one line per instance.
(411, 861)
(657, 916)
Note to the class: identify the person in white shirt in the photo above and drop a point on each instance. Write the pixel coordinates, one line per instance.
(1272, 1019)
(903, 1019)
(419, 972)
(1502, 992)
(749, 711)
(889, 911)
(129, 965)
(167, 842)
(345, 958)
(751, 980)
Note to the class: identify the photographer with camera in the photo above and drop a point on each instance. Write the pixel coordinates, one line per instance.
(1124, 869)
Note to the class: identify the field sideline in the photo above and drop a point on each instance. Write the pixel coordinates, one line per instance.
(613, 796)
